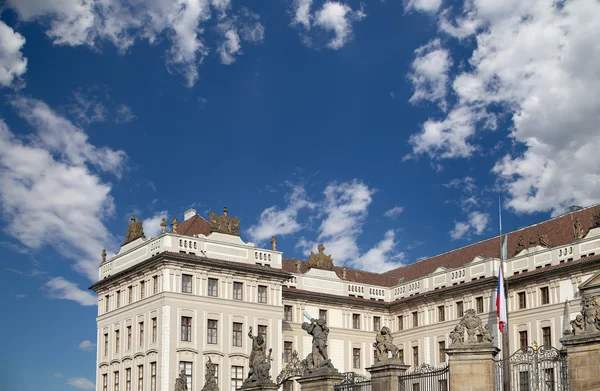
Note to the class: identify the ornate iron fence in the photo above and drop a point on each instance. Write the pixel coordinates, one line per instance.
(352, 381)
(425, 378)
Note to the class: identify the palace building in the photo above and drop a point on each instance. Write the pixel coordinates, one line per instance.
(170, 302)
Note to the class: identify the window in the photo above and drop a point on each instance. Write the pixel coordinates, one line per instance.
(140, 378)
(187, 367)
(287, 351)
(128, 337)
(523, 339)
(376, 323)
(479, 304)
(154, 330)
(546, 336)
(128, 379)
(237, 334)
(155, 285)
(142, 289)
(323, 315)
(459, 309)
(105, 382)
(288, 385)
(522, 300)
(287, 313)
(186, 283)
(400, 322)
(262, 330)
(238, 289)
(237, 377)
(356, 358)
(441, 347)
(262, 294)
(211, 336)
(441, 313)
(117, 340)
(401, 355)
(545, 295)
(186, 328)
(216, 374)
(118, 299)
(356, 321)
(116, 381)
(105, 345)
(141, 333)
(443, 385)
(130, 294)
(213, 287)
(153, 377)
(415, 317)
(106, 301)
(415, 356)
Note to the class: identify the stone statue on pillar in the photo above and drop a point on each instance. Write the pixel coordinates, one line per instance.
(384, 346)
(210, 381)
(474, 327)
(317, 361)
(260, 364)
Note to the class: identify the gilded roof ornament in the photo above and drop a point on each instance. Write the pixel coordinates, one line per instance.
(174, 225)
(134, 230)
(274, 243)
(578, 228)
(224, 224)
(320, 260)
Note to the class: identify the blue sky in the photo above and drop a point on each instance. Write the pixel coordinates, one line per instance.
(385, 129)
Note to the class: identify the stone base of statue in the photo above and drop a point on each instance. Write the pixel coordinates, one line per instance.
(259, 385)
(472, 366)
(583, 365)
(384, 374)
(322, 379)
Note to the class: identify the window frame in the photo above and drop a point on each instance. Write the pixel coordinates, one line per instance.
(154, 330)
(238, 290)
(186, 329)
(213, 287)
(356, 358)
(288, 313)
(288, 348)
(415, 356)
(460, 309)
(186, 283)
(356, 321)
(238, 378)
(479, 305)
(117, 340)
(116, 380)
(237, 334)
(415, 318)
(441, 313)
(400, 320)
(189, 377)
(129, 337)
(376, 323)
(212, 331)
(544, 295)
(522, 334)
(127, 379)
(262, 295)
(522, 300)
(441, 353)
(323, 315)
(547, 342)
(140, 377)
(141, 331)
(153, 376)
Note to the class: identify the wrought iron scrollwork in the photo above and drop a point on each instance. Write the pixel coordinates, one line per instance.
(294, 369)
(352, 378)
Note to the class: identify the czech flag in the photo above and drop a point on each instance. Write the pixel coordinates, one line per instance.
(501, 302)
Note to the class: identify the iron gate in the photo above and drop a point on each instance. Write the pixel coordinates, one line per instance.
(425, 378)
(534, 368)
(352, 381)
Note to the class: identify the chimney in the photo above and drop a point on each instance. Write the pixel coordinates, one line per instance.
(188, 214)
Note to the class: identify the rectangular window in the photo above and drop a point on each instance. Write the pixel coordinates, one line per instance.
(116, 381)
(262, 294)
(118, 299)
(105, 382)
(238, 289)
(140, 378)
(545, 295)
(262, 330)
(105, 345)
(415, 356)
(287, 351)
(213, 287)
(128, 379)
(217, 374)
(523, 339)
(106, 302)
(237, 334)
(186, 283)
(211, 332)
(186, 328)
(287, 313)
(459, 309)
(479, 304)
(400, 322)
(401, 355)
(130, 294)
(154, 285)
(441, 313)
(356, 321)
(128, 337)
(323, 315)
(415, 317)
(141, 333)
(154, 330)
(117, 340)
(153, 377)
(546, 336)
(522, 300)
(187, 367)
(142, 289)
(237, 377)
(376, 323)
(441, 347)
(356, 358)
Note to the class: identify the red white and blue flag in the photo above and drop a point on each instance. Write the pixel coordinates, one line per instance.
(500, 296)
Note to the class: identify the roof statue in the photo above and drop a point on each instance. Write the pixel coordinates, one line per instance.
(532, 241)
(134, 230)
(163, 225)
(320, 260)
(520, 245)
(274, 243)
(103, 255)
(543, 239)
(174, 225)
(596, 217)
(224, 224)
(578, 228)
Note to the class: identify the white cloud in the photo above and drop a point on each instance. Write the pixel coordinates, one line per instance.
(394, 212)
(429, 74)
(152, 226)
(423, 5)
(87, 345)
(537, 62)
(476, 224)
(460, 229)
(230, 46)
(81, 383)
(124, 114)
(302, 13)
(338, 18)
(12, 63)
(244, 26)
(466, 184)
(87, 107)
(275, 221)
(383, 257)
(59, 288)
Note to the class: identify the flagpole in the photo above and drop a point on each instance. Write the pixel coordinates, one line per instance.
(506, 330)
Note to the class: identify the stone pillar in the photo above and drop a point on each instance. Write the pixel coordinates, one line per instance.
(320, 382)
(583, 361)
(472, 367)
(384, 377)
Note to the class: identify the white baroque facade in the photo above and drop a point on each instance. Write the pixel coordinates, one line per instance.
(168, 303)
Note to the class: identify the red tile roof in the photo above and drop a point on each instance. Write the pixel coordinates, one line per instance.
(193, 226)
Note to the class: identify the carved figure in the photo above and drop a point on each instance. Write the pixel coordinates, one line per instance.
(472, 323)
(174, 225)
(384, 343)
(298, 265)
(181, 382)
(578, 229)
(163, 225)
(532, 241)
(210, 381)
(457, 335)
(257, 355)
(134, 230)
(224, 224)
(520, 245)
(318, 358)
(103, 255)
(273, 243)
(487, 334)
(543, 239)
(596, 217)
(263, 368)
(320, 260)
(591, 314)
(578, 325)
